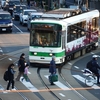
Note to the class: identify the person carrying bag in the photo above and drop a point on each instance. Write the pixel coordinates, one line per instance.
(52, 69)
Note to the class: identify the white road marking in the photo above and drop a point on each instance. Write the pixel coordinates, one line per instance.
(29, 85)
(18, 28)
(10, 59)
(59, 84)
(83, 80)
(1, 88)
(62, 95)
(1, 50)
(29, 72)
(76, 67)
(82, 70)
(70, 63)
(92, 53)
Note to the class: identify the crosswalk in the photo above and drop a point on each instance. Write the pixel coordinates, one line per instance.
(82, 79)
(59, 84)
(29, 85)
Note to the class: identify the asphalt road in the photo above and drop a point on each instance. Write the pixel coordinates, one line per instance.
(18, 42)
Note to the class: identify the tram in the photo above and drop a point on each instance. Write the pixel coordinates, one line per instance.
(63, 33)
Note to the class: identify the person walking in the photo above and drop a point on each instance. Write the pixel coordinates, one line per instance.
(28, 3)
(25, 75)
(95, 67)
(11, 73)
(21, 66)
(52, 68)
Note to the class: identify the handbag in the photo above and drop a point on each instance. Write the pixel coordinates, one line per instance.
(53, 78)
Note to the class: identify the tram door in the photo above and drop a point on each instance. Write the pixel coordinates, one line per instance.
(63, 40)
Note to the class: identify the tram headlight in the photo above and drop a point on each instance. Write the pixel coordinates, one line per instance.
(35, 53)
(50, 54)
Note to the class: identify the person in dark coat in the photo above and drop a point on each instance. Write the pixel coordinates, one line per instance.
(95, 68)
(21, 66)
(11, 76)
(52, 68)
(28, 3)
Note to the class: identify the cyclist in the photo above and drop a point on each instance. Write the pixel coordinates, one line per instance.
(95, 67)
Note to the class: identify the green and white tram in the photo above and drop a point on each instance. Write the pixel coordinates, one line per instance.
(63, 35)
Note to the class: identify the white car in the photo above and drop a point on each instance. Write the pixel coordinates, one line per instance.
(24, 15)
(33, 16)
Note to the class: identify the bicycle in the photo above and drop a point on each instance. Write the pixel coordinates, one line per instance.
(91, 78)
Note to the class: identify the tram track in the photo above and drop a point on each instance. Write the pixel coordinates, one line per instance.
(46, 86)
(68, 84)
(16, 57)
(78, 94)
(6, 56)
(51, 91)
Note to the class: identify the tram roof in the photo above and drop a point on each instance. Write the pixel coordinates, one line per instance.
(60, 13)
(70, 20)
(82, 17)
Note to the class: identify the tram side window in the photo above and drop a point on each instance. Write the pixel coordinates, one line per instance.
(68, 35)
(76, 31)
(83, 28)
(94, 24)
(72, 33)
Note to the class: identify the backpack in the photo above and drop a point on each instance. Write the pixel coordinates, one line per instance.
(89, 65)
(5, 76)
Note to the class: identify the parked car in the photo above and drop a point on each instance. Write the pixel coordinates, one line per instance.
(5, 21)
(33, 16)
(24, 15)
(17, 10)
(9, 5)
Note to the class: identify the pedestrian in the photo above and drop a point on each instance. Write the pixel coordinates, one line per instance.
(28, 3)
(25, 75)
(21, 66)
(11, 73)
(52, 68)
(95, 67)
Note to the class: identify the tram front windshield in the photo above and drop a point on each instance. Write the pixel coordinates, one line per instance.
(48, 35)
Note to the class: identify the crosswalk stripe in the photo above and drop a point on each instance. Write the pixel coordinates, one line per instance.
(1, 50)
(59, 84)
(80, 78)
(29, 85)
(1, 88)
